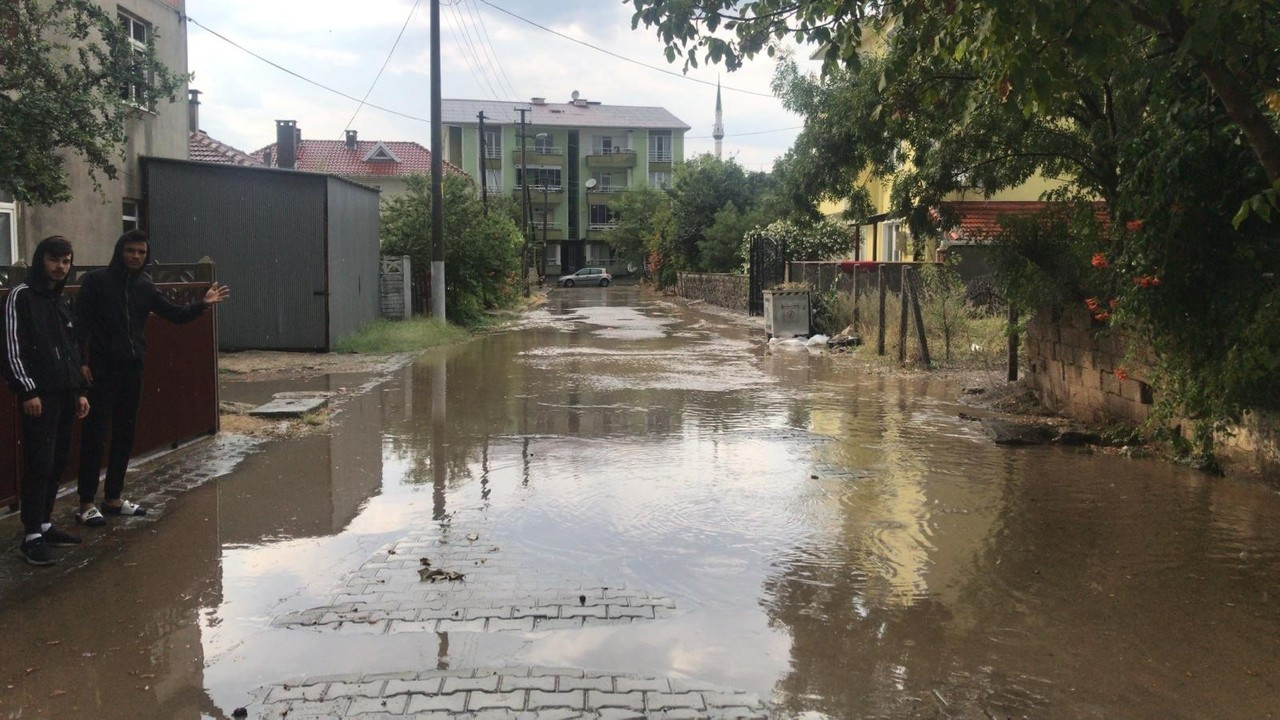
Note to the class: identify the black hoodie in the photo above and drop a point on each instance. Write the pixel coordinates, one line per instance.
(40, 350)
(112, 310)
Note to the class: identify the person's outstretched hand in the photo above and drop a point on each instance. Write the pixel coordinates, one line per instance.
(216, 294)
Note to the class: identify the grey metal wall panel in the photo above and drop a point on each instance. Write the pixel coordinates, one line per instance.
(354, 258)
(265, 230)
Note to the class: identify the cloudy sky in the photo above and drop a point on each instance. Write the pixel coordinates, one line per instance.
(487, 54)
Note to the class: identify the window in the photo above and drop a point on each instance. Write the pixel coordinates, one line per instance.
(608, 145)
(600, 217)
(540, 177)
(131, 214)
(493, 178)
(134, 91)
(609, 180)
(8, 230)
(659, 146)
(543, 218)
(600, 254)
(553, 254)
(890, 241)
(544, 144)
(660, 179)
(493, 142)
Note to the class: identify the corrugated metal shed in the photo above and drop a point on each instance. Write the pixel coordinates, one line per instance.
(583, 114)
(299, 250)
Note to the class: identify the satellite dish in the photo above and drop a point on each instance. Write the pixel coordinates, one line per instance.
(631, 267)
(574, 94)
(591, 182)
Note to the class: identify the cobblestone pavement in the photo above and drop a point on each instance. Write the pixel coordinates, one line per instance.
(499, 591)
(532, 693)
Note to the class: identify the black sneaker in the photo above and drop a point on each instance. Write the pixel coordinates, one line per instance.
(35, 551)
(53, 537)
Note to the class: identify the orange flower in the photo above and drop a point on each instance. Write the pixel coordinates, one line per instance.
(1155, 280)
(1100, 260)
(1102, 316)
(1133, 225)
(1121, 374)
(1092, 303)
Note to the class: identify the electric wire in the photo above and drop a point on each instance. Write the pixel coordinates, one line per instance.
(757, 132)
(301, 77)
(478, 17)
(386, 62)
(480, 64)
(622, 57)
(476, 75)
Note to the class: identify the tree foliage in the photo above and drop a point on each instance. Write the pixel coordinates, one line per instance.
(63, 64)
(644, 215)
(481, 251)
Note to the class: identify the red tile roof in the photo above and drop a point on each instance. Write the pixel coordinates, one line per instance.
(979, 220)
(333, 156)
(203, 148)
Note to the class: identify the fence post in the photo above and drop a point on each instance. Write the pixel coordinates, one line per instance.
(1013, 343)
(880, 282)
(903, 299)
(406, 279)
(856, 329)
(915, 307)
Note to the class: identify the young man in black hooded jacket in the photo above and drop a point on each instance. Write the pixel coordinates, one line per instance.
(42, 366)
(111, 316)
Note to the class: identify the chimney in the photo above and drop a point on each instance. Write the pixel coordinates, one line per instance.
(287, 133)
(351, 139)
(193, 110)
(538, 101)
(266, 156)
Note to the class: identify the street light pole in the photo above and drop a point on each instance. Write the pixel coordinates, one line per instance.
(544, 225)
(437, 174)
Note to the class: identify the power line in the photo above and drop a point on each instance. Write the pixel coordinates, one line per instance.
(480, 65)
(476, 75)
(303, 78)
(377, 77)
(484, 63)
(758, 132)
(620, 57)
(479, 17)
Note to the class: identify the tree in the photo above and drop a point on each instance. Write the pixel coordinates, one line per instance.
(643, 214)
(481, 252)
(64, 67)
(1231, 43)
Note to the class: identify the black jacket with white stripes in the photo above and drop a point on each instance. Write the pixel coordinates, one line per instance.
(40, 354)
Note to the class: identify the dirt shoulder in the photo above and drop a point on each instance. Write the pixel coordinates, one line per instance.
(260, 365)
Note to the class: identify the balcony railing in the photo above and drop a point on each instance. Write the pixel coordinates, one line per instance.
(660, 156)
(492, 153)
(612, 157)
(602, 226)
(546, 150)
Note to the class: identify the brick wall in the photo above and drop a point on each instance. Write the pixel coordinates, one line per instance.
(1072, 365)
(723, 289)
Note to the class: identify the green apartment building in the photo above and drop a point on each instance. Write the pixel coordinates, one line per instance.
(576, 157)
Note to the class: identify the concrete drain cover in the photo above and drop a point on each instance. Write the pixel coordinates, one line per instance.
(291, 405)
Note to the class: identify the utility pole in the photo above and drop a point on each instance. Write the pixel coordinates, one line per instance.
(437, 173)
(484, 178)
(524, 201)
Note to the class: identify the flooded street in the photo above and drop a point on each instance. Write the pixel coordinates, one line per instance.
(654, 517)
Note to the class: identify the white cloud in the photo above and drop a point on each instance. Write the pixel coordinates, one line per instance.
(331, 43)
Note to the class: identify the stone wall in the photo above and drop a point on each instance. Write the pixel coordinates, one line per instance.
(1079, 368)
(723, 289)
(396, 298)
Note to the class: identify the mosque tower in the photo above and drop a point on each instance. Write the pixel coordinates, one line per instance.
(718, 131)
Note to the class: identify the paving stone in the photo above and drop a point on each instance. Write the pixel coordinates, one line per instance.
(294, 709)
(679, 685)
(423, 686)
(644, 612)
(545, 683)
(389, 706)
(673, 701)
(295, 692)
(728, 699)
(573, 699)
(619, 714)
(375, 677)
(584, 611)
(454, 703)
(358, 689)
(460, 626)
(629, 701)
(490, 700)
(677, 714)
(413, 626)
(483, 684)
(488, 612)
(552, 714)
(737, 713)
(557, 624)
(601, 684)
(510, 625)
(559, 671)
(632, 684)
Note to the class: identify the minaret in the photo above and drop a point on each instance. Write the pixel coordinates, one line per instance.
(717, 132)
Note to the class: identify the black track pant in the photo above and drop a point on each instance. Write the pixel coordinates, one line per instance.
(46, 441)
(113, 410)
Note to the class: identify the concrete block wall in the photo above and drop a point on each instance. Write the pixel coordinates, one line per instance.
(723, 289)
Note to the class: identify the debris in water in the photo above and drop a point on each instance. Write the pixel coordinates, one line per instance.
(473, 537)
(240, 713)
(436, 575)
(582, 599)
(426, 562)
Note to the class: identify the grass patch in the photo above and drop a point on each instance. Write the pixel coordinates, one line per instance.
(390, 336)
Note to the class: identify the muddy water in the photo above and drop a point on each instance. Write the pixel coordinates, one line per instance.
(836, 543)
